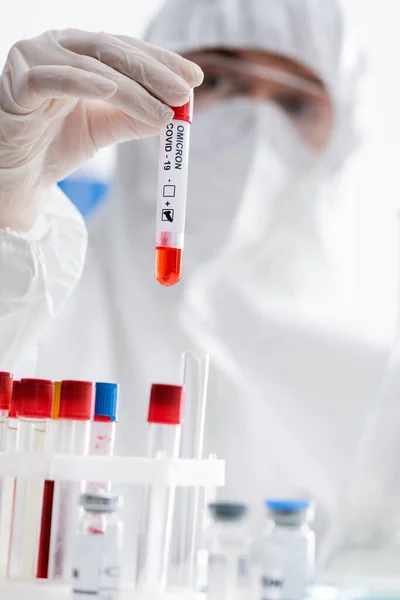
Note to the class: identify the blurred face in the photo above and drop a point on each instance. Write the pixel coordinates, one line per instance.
(296, 90)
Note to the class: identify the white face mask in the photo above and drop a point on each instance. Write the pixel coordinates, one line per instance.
(277, 232)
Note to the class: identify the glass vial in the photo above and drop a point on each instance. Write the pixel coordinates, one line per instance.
(287, 550)
(97, 556)
(228, 546)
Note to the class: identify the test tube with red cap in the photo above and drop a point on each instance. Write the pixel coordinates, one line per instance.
(34, 411)
(62, 432)
(8, 483)
(171, 194)
(6, 384)
(71, 433)
(164, 418)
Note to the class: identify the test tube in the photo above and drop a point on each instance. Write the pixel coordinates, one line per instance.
(71, 435)
(171, 194)
(8, 483)
(48, 494)
(6, 384)
(102, 435)
(191, 504)
(164, 417)
(34, 410)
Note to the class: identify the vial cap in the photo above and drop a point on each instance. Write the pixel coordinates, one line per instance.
(288, 506)
(185, 112)
(100, 501)
(6, 385)
(165, 404)
(15, 399)
(106, 404)
(76, 400)
(291, 512)
(228, 511)
(35, 398)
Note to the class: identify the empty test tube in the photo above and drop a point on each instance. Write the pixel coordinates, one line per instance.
(164, 418)
(190, 502)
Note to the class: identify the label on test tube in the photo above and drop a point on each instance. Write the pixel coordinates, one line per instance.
(171, 195)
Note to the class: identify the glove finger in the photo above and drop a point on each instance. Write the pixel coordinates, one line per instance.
(43, 82)
(110, 126)
(183, 67)
(162, 81)
(130, 97)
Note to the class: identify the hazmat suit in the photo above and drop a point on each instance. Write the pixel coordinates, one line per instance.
(288, 391)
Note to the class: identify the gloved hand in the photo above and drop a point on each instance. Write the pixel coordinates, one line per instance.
(66, 94)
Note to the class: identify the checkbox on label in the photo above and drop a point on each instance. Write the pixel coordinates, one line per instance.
(169, 191)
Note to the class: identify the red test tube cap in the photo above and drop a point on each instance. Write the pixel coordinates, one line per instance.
(16, 394)
(35, 398)
(166, 404)
(76, 400)
(185, 112)
(6, 384)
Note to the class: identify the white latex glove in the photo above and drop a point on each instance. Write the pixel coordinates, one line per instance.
(66, 94)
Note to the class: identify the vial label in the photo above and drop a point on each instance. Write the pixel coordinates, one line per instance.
(286, 568)
(172, 183)
(110, 576)
(86, 570)
(228, 577)
(96, 569)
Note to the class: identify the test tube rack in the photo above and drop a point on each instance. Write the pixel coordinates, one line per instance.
(116, 469)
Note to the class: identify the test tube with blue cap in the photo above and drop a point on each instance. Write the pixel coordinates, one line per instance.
(102, 435)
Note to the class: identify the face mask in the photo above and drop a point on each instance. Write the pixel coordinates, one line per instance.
(277, 231)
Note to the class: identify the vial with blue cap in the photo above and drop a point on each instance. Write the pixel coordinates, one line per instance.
(228, 547)
(287, 550)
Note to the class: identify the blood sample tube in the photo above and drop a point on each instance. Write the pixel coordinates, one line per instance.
(171, 194)
(6, 384)
(34, 410)
(48, 493)
(8, 483)
(164, 418)
(72, 431)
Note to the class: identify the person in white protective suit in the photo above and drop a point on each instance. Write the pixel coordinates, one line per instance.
(288, 392)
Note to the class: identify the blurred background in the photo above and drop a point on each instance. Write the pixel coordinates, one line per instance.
(371, 193)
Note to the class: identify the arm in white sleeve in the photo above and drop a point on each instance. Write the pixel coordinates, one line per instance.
(39, 269)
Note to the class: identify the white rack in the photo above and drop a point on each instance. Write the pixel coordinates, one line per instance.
(47, 591)
(117, 469)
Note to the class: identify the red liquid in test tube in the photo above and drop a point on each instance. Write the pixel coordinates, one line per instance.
(171, 195)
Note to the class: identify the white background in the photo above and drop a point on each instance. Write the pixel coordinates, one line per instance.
(27, 18)
(376, 191)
